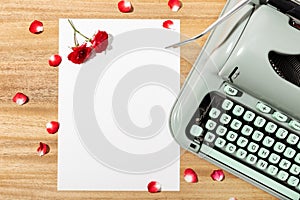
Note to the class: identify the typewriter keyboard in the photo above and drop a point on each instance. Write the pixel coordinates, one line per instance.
(260, 143)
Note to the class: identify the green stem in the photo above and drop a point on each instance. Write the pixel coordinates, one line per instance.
(75, 40)
(75, 30)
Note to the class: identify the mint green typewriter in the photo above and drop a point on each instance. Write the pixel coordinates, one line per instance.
(239, 108)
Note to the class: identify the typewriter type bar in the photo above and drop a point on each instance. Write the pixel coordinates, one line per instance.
(291, 8)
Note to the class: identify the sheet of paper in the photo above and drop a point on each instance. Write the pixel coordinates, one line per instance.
(114, 108)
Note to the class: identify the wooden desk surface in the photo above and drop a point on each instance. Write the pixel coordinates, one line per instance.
(24, 68)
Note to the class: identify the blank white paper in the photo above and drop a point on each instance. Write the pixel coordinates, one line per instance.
(114, 108)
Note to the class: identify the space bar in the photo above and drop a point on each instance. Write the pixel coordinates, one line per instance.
(249, 172)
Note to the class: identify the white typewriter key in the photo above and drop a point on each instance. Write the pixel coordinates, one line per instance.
(297, 158)
(242, 142)
(274, 158)
(227, 104)
(282, 175)
(196, 131)
(231, 136)
(268, 141)
(247, 130)
(241, 153)
(230, 148)
(209, 137)
(238, 110)
(251, 159)
(272, 170)
(221, 130)
(252, 147)
(295, 125)
(284, 164)
(259, 122)
(263, 153)
(271, 127)
(289, 152)
(248, 116)
(257, 135)
(280, 117)
(194, 147)
(281, 133)
(292, 139)
(230, 90)
(279, 147)
(293, 181)
(210, 125)
(220, 142)
(214, 113)
(236, 124)
(225, 119)
(295, 169)
(263, 108)
(261, 164)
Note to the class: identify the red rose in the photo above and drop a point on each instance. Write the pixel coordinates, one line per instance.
(100, 41)
(80, 54)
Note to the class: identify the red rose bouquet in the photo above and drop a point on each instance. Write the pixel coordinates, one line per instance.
(97, 44)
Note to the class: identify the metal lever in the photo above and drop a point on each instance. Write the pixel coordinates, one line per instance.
(213, 25)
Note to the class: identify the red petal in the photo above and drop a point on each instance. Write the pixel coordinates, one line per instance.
(125, 6)
(217, 175)
(168, 24)
(52, 127)
(175, 5)
(20, 98)
(43, 149)
(154, 187)
(54, 60)
(36, 27)
(190, 176)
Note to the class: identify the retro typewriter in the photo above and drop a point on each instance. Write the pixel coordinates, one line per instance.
(239, 108)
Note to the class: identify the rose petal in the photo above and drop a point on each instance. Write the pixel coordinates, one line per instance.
(232, 198)
(55, 60)
(125, 6)
(36, 27)
(43, 149)
(190, 176)
(168, 24)
(20, 98)
(175, 5)
(217, 175)
(52, 127)
(154, 187)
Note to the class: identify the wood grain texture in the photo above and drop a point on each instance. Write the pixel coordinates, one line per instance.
(24, 68)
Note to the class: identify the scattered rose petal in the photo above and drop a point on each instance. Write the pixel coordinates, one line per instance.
(36, 27)
(154, 187)
(232, 198)
(43, 149)
(168, 24)
(52, 127)
(80, 54)
(125, 6)
(190, 176)
(175, 5)
(217, 175)
(54, 60)
(100, 41)
(20, 98)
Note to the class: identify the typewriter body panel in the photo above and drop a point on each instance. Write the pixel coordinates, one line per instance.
(235, 66)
